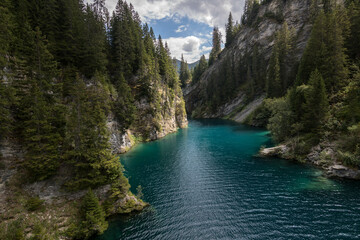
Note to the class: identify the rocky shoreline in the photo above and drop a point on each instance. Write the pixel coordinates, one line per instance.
(322, 157)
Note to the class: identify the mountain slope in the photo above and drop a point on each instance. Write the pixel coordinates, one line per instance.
(247, 59)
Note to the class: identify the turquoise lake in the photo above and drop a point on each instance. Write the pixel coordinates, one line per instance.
(205, 183)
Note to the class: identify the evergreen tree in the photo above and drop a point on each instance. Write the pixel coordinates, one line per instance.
(94, 54)
(124, 105)
(350, 111)
(353, 41)
(273, 81)
(5, 113)
(325, 48)
(216, 45)
(92, 217)
(316, 104)
(39, 110)
(87, 138)
(250, 11)
(185, 74)
(229, 31)
(199, 69)
(281, 60)
(6, 37)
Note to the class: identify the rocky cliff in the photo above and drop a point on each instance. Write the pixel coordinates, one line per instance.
(258, 37)
(169, 119)
(57, 205)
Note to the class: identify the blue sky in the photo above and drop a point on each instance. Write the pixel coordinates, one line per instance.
(186, 25)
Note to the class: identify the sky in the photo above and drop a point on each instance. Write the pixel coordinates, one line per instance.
(186, 25)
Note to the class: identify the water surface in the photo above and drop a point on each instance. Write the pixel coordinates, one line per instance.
(204, 183)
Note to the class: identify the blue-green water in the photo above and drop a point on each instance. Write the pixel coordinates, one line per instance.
(204, 183)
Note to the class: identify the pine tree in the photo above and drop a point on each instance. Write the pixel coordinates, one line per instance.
(39, 110)
(6, 38)
(185, 74)
(250, 11)
(325, 48)
(92, 217)
(124, 105)
(281, 60)
(353, 42)
(94, 57)
(316, 103)
(87, 145)
(199, 69)
(229, 31)
(273, 81)
(5, 113)
(350, 111)
(6, 29)
(216, 45)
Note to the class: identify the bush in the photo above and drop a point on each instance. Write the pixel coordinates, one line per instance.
(39, 233)
(34, 204)
(13, 231)
(349, 159)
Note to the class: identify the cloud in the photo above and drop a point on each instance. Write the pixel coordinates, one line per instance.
(192, 47)
(210, 12)
(181, 28)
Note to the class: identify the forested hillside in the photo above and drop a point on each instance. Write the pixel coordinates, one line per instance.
(78, 85)
(292, 66)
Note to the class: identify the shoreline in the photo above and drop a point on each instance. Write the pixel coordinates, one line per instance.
(331, 168)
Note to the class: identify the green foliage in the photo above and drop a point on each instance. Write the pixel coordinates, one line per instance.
(64, 65)
(325, 48)
(349, 159)
(349, 146)
(280, 122)
(14, 230)
(87, 146)
(185, 75)
(5, 113)
(34, 204)
(39, 233)
(39, 111)
(350, 111)
(124, 108)
(281, 63)
(251, 10)
(92, 217)
(230, 31)
(260, 117)
(278, 17)
(316, 103)
(353, 41)
(199, 70)
(216, 45)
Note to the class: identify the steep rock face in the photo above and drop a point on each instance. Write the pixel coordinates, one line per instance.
(169, 119)
(295, 13)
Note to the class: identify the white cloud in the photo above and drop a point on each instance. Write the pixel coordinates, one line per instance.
(181, 28)
(211, 12)
(192, 47)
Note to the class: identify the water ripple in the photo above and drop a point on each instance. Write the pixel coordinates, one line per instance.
(204, 183)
